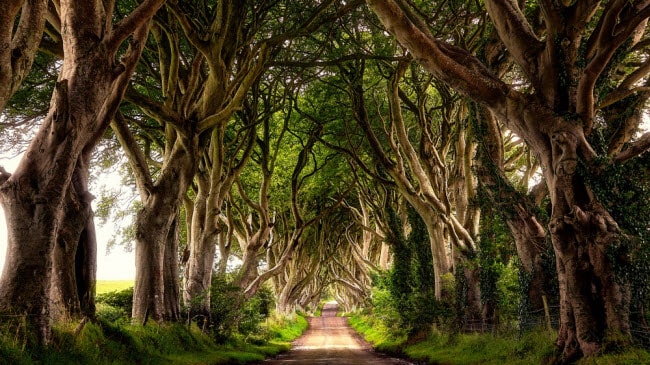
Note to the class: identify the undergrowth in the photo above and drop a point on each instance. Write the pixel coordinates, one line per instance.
(105, 342)
(533, 347)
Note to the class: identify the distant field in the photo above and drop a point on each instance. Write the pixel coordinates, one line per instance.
(105, 286)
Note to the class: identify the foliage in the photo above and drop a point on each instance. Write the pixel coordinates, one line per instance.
(231, 314)
(286, 328)
(383, 338)
(625, 196)
(495, 262)
(410, 281)
(122, 299)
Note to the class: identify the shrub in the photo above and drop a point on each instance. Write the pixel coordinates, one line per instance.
(120, 299)
(232, 314)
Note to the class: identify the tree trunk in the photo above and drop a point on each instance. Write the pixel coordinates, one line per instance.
(437, 241)
(171, 273)
(594, 303)
(74, 263)
(515, 208)
(31, 223)
(154, 225)
(202, 249)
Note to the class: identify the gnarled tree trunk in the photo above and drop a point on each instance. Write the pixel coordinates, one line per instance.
(74, 262)
(156, 237)
(90, 87)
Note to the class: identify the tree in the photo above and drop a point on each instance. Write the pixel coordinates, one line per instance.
(557, 111)
(90, 87)
(205, 74)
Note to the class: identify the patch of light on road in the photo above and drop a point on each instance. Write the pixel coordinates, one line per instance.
(351, 346)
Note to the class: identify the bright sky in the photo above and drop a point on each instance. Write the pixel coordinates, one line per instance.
(118, 265)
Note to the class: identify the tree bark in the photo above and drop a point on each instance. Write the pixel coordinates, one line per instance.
(90, 87)
(202, 249)
(172, 298)
(155, 232)
(74, 262)
(18, 45)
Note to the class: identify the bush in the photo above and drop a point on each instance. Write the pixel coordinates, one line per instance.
(232, 314)
(108, 313)
(120, 299)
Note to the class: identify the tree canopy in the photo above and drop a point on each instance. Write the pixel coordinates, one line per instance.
(332, 147)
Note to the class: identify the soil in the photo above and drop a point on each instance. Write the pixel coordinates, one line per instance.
(330, 340)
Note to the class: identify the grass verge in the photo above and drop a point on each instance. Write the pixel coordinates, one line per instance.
(535, 347)
(120, 343)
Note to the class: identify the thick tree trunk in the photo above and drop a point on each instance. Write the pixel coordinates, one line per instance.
(250, 262)
(90, 87)
(284, 304)
(514, 207)
(384, 256)
(437, 241)
(202, 249)
(155, 225)
(530, 241)
(31, 224)
(594, 302)
(34, 197)
(74, 258)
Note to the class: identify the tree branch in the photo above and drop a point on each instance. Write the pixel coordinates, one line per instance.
(136, 158)
(636, 148)
(127, 26)
(517, 35)
(455, 66)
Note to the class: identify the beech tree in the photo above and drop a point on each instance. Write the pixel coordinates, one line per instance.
(208, 57)
(90, 86)
(564, 64)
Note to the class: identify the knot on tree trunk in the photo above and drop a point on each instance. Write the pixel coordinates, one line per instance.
(4, 175)
(564, 145)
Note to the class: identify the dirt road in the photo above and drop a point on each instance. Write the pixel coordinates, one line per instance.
(329, 340)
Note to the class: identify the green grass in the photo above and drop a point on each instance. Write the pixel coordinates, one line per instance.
(535, 347)
(466, 349)
(384, 339)
(116, 344)
(286, 329)
(105, 286)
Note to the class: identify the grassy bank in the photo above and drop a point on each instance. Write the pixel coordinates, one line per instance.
(437, 348)
(111, 343)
